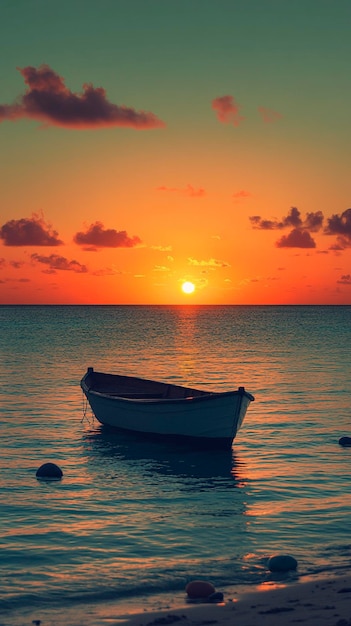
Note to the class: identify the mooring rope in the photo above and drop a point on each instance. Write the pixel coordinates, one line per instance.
(85, 406)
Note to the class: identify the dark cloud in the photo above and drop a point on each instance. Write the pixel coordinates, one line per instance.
(340, 225)
(340, 244)
(227, 110)
(262, 224)
(48, 100)
(312, 222)
(31, 231)
(345, 280)
(2, 262)
(56, 262)
(14, 281)
(98, 237)
(268, 115)
(293, 218)
(297, 238)
(300, 236)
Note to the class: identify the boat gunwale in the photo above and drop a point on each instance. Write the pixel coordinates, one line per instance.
(205, 395)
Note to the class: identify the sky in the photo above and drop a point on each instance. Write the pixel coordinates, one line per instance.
(148, 143)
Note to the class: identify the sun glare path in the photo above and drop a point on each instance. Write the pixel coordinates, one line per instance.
(188, 287)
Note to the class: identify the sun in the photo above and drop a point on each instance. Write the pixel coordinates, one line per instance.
(188, 287)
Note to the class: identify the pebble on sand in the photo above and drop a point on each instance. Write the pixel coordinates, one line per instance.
(199, 589)
(49, 471)
(281, 563)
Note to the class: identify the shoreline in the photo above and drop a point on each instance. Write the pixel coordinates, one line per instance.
(321, 601)
(326, 601)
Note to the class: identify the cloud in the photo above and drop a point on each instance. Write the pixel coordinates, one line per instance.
(227, 110)
(345, 280)
(268, 115)
(31, 231)
(18, 280)
(15, 280)
(2, 262)
(242, 194)
(162, 248)
(340, 245)
(56, 262)
(296, 239)
(48, 100)
(263, 224)
(312, 222)
(99, 237)
(340, 225)
(213, 263)
(107, 271)
(189, 190)
(161, 268)
(300, 236)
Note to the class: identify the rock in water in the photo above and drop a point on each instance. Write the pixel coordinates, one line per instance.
(345, 441)
(49, 471)
(199, 589)
(281, 563)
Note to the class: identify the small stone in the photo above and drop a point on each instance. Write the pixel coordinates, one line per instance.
(49, 471)
(199, 589)
(281, 563)
(345, 441)
(217, 596)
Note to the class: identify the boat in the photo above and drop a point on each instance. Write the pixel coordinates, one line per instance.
(160, 409)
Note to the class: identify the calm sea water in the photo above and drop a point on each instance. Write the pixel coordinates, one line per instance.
(133, 518)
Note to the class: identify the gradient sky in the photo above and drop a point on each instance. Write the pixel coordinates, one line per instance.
(148, 142)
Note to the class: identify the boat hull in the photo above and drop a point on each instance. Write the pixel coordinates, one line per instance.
(209, 417)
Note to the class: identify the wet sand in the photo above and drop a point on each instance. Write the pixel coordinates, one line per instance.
(321, 602)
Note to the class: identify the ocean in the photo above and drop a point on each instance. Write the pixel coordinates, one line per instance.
(136, 520)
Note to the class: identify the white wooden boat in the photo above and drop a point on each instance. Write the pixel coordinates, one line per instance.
(167, 410)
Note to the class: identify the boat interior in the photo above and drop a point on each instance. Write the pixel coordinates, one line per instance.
(138, 388)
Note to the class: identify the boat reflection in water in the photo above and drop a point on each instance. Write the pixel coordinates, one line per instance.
(170, 512)
(115, 452)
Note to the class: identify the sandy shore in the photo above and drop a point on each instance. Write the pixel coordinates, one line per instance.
(323, 602)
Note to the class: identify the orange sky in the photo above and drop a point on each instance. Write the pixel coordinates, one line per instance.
(176, 141)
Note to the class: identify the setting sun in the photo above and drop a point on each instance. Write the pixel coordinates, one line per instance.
(188, 287)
